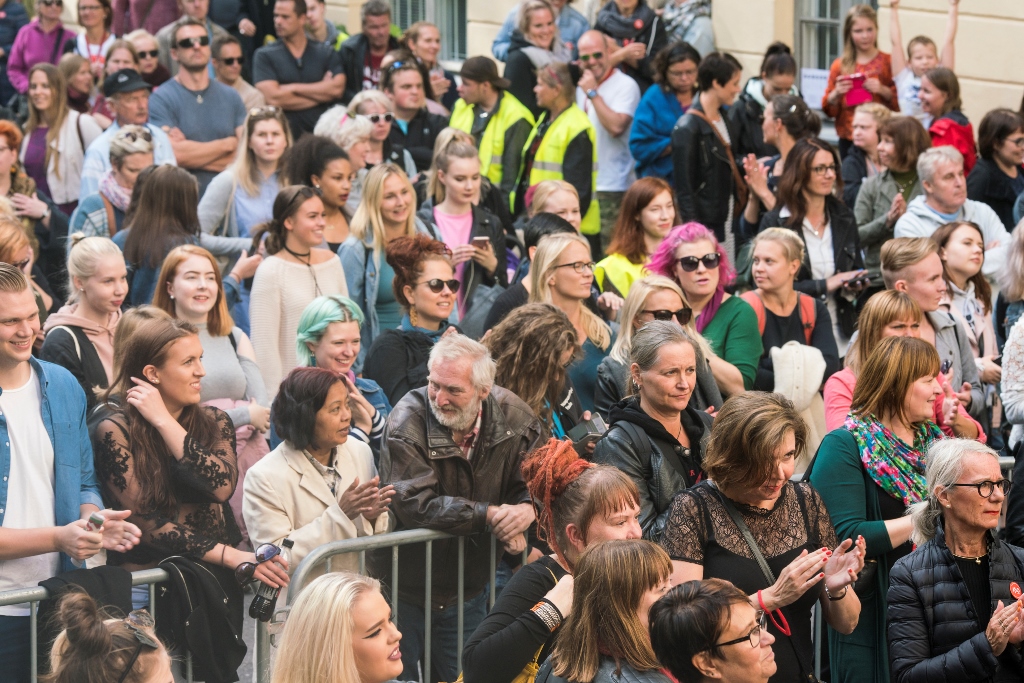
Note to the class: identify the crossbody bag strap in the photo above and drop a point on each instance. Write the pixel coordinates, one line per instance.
(741, 185)
(737, 518)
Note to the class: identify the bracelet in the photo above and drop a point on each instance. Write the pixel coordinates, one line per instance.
(548, 614)
(828, 595)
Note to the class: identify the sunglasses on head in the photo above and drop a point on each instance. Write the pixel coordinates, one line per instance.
(266, 552)
(132, 136)
(437, 285)
(231, 61)
(148, 54)
(50, 3)
(689, 263)
(194, 42)
(683, 315)
(387, 117)
(139, 623)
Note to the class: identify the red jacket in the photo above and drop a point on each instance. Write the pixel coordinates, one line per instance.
(955, 130)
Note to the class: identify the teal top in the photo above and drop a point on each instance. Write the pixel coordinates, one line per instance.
(583, 372)
(734, 337)
(389, 313)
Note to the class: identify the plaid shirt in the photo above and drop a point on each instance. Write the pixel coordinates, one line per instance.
(330, 475)
(469, 440)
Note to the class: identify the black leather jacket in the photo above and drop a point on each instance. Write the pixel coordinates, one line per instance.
(746, 116)
(703, 177)
(660, 470)
(934, 633)
(613, 376)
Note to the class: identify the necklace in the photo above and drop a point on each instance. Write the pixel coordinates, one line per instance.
(977, 560)
(309, 265)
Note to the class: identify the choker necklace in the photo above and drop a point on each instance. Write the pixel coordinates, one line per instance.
(307, 255)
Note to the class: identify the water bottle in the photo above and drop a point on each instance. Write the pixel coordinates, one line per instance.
(262, 605)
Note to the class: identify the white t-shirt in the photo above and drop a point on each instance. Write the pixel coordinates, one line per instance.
(615, 165)
(908, 92)
(821, 254)
(30, 493)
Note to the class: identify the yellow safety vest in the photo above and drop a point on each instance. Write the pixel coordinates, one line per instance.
(547, 163)
(492, 143)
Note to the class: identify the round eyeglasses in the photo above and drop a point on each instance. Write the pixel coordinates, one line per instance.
(987, 488)
(754, 637)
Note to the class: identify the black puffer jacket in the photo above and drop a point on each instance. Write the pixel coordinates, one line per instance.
(660, 467)
(934, 634)
(747, 116)
(989, 184)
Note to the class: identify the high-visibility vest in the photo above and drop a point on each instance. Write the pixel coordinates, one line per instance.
(547, 162)
(492, 143)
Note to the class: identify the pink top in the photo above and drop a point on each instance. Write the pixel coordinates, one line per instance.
(455, 231)
(839, 397)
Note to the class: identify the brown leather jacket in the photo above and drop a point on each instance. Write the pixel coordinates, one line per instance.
(437, 488)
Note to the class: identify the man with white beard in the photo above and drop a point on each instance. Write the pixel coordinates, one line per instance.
(453, 452)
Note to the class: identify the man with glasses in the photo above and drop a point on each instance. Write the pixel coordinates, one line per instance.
(228, 60)
(453, 451)
(498, 122)
(941, 170)
(610, 98)
(128, 95)
(301, 76)
(202, 117)
(363, 53)
(191, 10)
(704, 631)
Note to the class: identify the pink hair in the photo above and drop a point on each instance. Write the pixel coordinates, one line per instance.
(663, 261)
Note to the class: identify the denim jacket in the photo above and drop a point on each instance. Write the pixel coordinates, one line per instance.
(64, 417)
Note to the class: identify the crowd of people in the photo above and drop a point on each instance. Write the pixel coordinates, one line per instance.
(266, 285)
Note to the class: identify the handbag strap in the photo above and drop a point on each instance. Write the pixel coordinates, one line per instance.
(737, 518)
(741, 185)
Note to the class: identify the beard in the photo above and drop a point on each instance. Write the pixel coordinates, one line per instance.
(456, 419)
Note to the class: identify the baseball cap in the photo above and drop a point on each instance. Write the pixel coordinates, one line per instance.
(483, 70)
(125, 80)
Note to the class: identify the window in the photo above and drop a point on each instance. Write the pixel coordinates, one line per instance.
(819, 31)
(449, 15)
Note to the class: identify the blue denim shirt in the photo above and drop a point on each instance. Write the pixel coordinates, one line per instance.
(64, 417)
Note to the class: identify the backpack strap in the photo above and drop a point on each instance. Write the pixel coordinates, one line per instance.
(74, 337)
(111, 219)
(754, 299)
(638, 437)
(808, 314)
(234, 342)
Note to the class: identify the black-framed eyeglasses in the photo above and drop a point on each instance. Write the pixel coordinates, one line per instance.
(579, 266)
(437, 285)
(50, 3)
(595, 56)
(683, 315)
(266, 552)
(822, 170)
(231, 61)
(148, 54)
(1019, 142)
(987, 488)
(387, 117)
(194, 42)
(689, 263)
(754, 637)
(139, 623)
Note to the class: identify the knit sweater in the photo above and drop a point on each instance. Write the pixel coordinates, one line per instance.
(281, 290)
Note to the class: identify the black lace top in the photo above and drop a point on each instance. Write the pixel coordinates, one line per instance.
(201, 483)
(700, 531)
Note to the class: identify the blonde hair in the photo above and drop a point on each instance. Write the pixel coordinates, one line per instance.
(881, 309)
(368, 223)
(369, 96)
(879, 112)
(317, 641)
(82, 259)
(455, 144)
(792, 245)
(549, 249)
(343, 128)
(527, 8)
(632, 306)
(901, 253)
(141, 34)
(544, 190)
(888, 373)
(849, 58)
(247, 172)
(218, 320)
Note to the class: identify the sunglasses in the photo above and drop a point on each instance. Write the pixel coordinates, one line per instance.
(148, 54)
(683, 315)
(437, 285)
(595, 56)
(132, 136)
(689, 263)
(51, 3)
(387, 117)
(266, 552)
(231, 61)
(194, 42)
(140, 623)
(265, 109)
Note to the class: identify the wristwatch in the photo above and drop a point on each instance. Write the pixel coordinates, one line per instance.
(46, 214)
(591, 94)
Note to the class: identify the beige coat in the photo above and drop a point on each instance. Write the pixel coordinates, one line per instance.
(286, 497)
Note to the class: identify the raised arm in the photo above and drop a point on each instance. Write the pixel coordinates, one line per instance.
(947, 57)
(899, 58)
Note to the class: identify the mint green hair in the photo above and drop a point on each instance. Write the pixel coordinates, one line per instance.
(321, 312)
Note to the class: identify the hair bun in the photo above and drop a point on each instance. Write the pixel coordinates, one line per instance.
(79, 615)
(76, 237)
(778, 48)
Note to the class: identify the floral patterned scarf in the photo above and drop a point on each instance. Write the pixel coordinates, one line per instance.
(896, 467)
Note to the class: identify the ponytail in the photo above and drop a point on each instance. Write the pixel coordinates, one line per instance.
(288, 202)
(926, 518)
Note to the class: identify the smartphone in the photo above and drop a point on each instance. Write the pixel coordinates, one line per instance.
(586, 433)
(480, 242)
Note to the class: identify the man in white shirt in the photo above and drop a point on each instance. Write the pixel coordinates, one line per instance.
(47, 483)
(610, 98)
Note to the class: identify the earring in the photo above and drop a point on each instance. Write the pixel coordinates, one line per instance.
(156, 381)
(172, 296)
(413, 317)
(316, 186)
(948, 505)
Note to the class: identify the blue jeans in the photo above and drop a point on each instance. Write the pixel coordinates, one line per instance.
(15, 654)
(444, 644)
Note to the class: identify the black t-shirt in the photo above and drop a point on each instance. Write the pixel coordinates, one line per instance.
(275, 63)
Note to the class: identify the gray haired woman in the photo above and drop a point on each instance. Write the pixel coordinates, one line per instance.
(954, 603)
(102, 214)
(656, 437)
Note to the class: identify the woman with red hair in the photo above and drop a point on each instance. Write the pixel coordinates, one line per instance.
(692, 257)
(579, 504)
(647, 214)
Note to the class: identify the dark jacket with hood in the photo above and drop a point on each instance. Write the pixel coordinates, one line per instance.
(934, 632)
(660, 467)
(855, 172)
(353, 57)
(423, 130)
(703, 176)
(845, 249)
(613, 378)
(643, 26)
(746, 115)
(521, 73)
(990, 185)
(438, 488)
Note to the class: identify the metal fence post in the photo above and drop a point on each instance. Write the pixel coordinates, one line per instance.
(428, 573)
(33, 638)
(462, 600)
